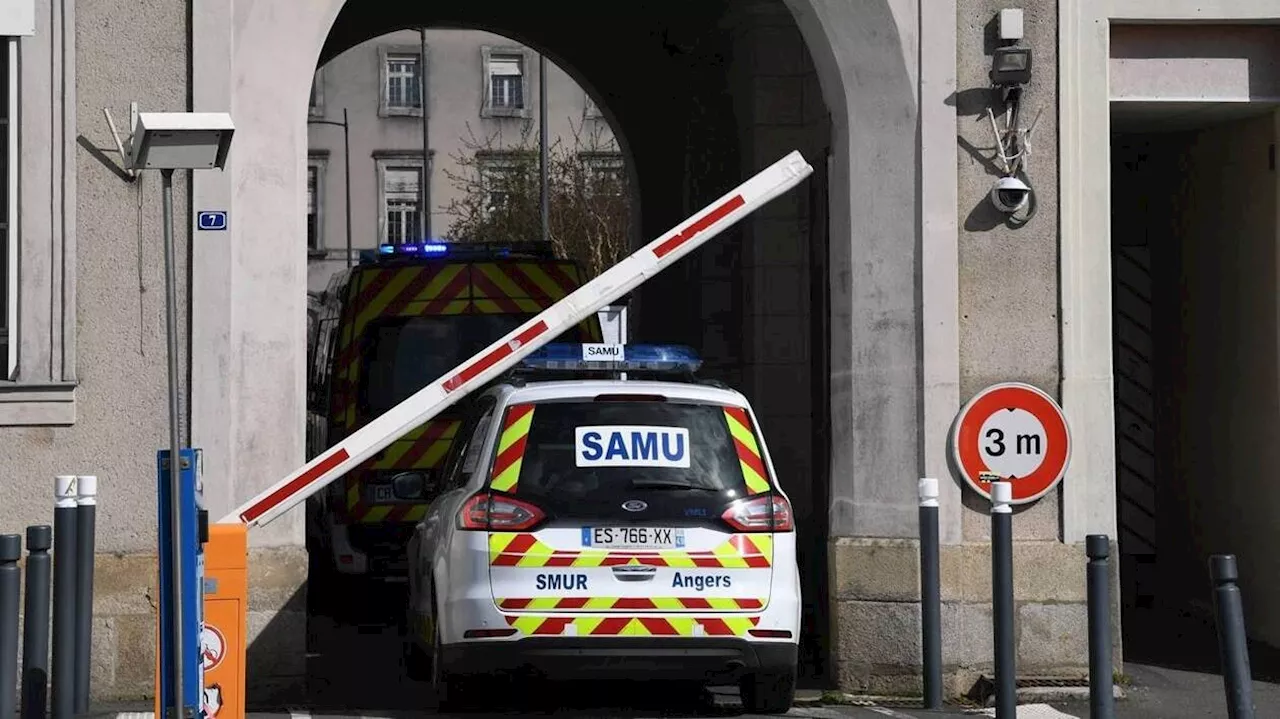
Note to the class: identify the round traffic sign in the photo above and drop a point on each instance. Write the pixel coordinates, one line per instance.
(1016, 431)
(213, 647)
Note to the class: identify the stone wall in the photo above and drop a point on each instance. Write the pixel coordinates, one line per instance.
(875, 593)
(125, 602)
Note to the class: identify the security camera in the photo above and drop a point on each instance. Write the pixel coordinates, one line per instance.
(1010, 194)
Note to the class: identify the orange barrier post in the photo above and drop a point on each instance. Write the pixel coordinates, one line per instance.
(224, 644)
(224, 636)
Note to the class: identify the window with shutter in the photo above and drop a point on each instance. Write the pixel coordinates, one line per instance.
(401, 210)
(506, 82)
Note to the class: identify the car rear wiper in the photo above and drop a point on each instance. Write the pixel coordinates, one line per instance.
(653, 483)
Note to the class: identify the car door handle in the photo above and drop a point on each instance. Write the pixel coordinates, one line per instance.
(635, 573)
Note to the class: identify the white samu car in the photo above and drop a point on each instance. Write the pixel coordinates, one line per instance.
(603, 526)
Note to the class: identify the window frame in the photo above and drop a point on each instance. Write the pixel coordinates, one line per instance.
(9, 115)
(385, 160)
(319, 163)
(387, 53)
(488, 53)
(593, 160)
(41, 390)
(485, 159)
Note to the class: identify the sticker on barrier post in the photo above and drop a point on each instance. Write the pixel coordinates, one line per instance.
(1015, 432)
(213, 647)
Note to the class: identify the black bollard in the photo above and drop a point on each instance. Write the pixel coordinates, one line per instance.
(1101, 701)
(86, 508)
(930, 595)
(64, 597)
(1002, 600)
(35, 624)
(1233, 645)
(10, 596)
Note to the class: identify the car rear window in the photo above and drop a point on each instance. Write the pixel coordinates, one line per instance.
(607, 450)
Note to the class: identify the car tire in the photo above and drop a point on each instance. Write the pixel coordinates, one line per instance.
(451, 690)
(417, 664)
(769, 692)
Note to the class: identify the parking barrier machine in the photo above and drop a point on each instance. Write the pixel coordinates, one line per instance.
(183, 592)
(227, 538)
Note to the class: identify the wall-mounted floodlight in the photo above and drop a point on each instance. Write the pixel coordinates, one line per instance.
(181, 140)
(1011, 66)
(168, 141)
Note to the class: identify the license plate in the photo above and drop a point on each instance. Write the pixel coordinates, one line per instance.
(383, 494)
(633, 537)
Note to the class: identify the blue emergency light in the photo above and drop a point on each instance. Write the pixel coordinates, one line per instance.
(414, 248)
(614, 357)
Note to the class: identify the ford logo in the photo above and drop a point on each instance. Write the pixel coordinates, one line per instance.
(635, 505)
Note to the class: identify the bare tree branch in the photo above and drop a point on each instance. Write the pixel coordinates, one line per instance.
(499, 198)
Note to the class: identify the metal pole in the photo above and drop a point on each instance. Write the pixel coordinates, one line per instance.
(1101, 701)
(930, 594)
(86, 508)
(64, 596)
(175, 457)
(1002, 599)
(424, 180)
(543, 170)
(346, 167)
(35, 623)
(1233, 646)
(10, 593)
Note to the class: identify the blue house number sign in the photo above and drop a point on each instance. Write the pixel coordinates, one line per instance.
(211, 220)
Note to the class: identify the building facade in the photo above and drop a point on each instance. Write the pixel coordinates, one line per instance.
(482, 93)
(858, 312)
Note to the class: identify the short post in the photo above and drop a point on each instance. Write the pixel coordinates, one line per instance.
(64, 596)
(1232, 642)
(930, 594)
(35, 623)
(10, 595)
(1002, 599)
(1101, 701)
(86, 508)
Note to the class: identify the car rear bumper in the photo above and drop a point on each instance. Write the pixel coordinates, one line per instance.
(617, 658)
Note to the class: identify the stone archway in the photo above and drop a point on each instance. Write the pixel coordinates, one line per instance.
(857, 60)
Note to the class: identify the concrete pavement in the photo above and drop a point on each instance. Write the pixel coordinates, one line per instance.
(1161, 693)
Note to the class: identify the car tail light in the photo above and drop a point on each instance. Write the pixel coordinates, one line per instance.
(771, 513)
(485, 511)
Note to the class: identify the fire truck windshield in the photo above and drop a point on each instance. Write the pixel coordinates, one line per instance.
(404, 354)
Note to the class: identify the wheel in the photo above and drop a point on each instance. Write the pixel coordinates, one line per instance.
(451, 690)
(417, 664)
(769, 693)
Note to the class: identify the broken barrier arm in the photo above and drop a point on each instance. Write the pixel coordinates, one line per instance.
(614, 282)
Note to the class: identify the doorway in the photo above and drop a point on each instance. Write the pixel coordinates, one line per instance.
(1197, 402)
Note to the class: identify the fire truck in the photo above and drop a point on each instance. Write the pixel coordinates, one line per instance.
(383, 330)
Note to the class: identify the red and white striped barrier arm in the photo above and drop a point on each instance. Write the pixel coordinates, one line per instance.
(506, 352)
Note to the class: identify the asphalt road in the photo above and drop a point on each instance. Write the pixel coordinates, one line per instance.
(1163, 693)
(354, 670)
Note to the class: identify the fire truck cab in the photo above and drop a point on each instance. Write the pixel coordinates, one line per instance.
(383, 330)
